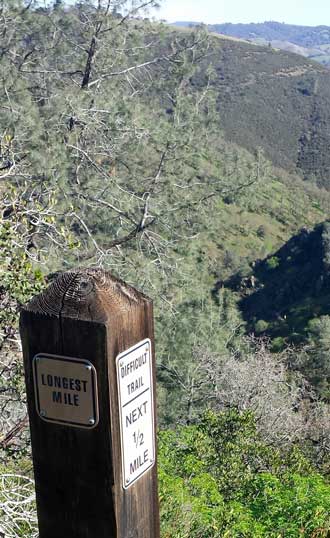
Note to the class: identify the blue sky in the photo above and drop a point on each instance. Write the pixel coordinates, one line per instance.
(306, 12)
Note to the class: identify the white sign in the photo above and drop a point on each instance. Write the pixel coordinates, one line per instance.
(136, 409)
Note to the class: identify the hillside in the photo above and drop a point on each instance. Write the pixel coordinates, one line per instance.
(286, 296)
(292, 286)
(274, 100)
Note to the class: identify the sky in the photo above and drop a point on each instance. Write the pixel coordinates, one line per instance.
(302, 12)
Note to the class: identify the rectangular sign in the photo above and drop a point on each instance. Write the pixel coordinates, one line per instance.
(66, 390)
(136, 409)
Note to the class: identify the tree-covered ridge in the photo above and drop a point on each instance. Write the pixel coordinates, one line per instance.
(258, 88)
(113, 155)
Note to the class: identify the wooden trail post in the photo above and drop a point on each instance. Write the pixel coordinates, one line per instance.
(89, 365)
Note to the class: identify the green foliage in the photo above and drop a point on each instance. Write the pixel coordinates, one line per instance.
(261, 326)
(273, 262)
(19, 279)
(316, 363)
(217, 479)
(326, 246)
(181, 337)
(292, 505)
(278, 344)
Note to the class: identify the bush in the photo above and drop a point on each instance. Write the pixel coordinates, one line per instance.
(218, 480)
(261, 326)
(273, 262)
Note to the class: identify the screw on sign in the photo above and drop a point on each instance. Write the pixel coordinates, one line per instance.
(65, 390)
(90, 378)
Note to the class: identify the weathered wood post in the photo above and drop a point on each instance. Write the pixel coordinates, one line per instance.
(89, 364)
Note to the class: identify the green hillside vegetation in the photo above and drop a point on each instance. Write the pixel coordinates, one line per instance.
(258, 89)
(118, 150)
(286, 296)
(291, 286)
(218, 479)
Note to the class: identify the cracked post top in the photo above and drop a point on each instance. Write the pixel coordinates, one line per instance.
(89, 294)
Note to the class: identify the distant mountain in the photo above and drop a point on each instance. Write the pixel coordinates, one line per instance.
(305, 36)
(186, 24)
(309, 41)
